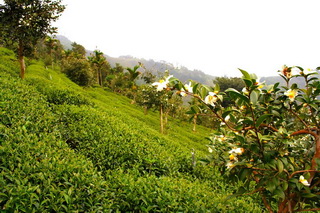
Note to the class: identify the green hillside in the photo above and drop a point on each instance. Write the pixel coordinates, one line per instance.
(64, 148)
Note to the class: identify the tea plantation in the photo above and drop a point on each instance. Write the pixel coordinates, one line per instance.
(64, 148)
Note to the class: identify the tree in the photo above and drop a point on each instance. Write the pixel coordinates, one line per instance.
(100, 65)
(49, 50)
(133, 74)
(24, 22)
(78, 70)
(229, 82)
(78, 50)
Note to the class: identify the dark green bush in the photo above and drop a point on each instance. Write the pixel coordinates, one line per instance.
(78, 70)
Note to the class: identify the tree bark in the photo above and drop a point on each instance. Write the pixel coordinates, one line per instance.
(315, 157)
(161, 119)
(21, 60)
(194, 123)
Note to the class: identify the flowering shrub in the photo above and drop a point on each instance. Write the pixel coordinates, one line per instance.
(269, 135)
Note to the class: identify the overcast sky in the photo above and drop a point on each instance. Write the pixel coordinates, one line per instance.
(215, 36)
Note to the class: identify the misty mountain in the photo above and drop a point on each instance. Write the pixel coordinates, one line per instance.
(159, 67)
(155, 67)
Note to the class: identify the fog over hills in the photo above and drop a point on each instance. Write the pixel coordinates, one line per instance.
(159, 67)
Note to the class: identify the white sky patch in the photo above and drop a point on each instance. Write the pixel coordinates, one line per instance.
(214, 36)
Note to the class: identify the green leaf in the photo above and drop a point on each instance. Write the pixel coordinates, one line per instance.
(270, 186)
(245, 74)
(280, 166)
(280, 193)
(285, 185)
(238, 95)
(217, 88)
(254, 96)
(309, 195)
(248, 82)
(195, 88)
(261, 119)
(244, 174)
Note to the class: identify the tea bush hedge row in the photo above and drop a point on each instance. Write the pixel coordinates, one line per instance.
(39, 172)
(88, 151)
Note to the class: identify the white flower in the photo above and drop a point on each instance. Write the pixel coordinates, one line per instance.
(188, 87)
(230, 165)
(245, 91)
(227, 118)
(182, 93)
(211, 99)
(210, 150)
(237, 151)
(291, 94)
(221, 138)
(303, 181)
(162, 84)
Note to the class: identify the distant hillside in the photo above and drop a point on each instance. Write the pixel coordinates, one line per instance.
(158, 67)
(66, 43)
(183, 73)
(274, 79)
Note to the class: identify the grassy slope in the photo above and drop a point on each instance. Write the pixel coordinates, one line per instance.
(69, 148)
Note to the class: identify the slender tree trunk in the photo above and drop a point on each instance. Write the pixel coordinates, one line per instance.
(100, 77)
(98, 81)
(288, 205)
(145, 110)
(161, 119)
(194, 123)
(166, 118)
(21, 60)
(317, 154)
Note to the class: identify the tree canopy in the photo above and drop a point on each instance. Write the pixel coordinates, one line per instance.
(24, 22)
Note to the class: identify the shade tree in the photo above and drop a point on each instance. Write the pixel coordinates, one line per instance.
(25, 22)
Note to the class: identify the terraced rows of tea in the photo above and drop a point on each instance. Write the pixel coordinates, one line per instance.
(64, 148)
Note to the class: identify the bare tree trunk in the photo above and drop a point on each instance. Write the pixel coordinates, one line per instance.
(21, 60)
(98, 81)
(194, 123)
(100, 77)
(161, 119)
(288, 205)
(316, 156)
(145, 110)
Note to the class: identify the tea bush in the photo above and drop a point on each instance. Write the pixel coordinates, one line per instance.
(88, 150)
(38, 172)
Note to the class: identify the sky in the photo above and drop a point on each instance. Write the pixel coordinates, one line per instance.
(214, 36)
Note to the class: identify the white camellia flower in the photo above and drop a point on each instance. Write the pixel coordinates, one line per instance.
(188, 87)
(237, 151)
(162, 84)
(245, 91)
(230, 165)
(211, 99)
(291, 94)
(303, 181)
